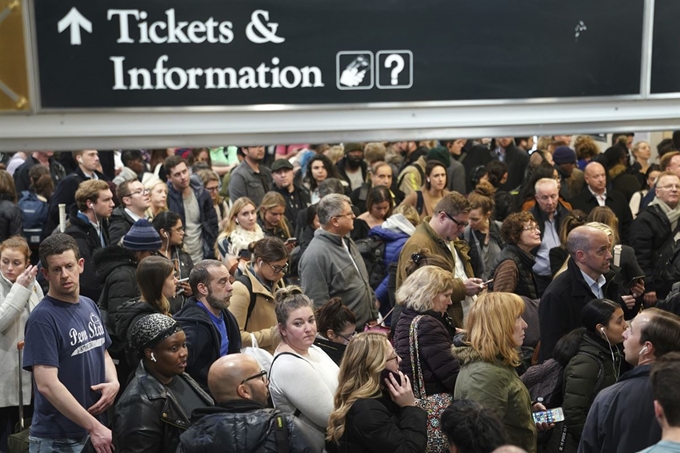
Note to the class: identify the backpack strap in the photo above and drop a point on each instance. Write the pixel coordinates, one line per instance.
(253, 297)
(617, 255)
(281, 433)
(297, 412)
(420, 201)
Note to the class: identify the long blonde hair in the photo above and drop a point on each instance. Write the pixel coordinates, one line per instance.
(273, 200)
(490, 325)
(359, 377)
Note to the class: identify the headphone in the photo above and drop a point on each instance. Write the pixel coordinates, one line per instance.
(165, 233)
(80, 161)
(153, 358)
(602, 329)
(643, 350)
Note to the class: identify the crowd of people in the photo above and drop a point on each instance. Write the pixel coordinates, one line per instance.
(453, 295)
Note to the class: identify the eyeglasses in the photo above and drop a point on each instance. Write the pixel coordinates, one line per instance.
(531, 227)
(262, 374)
(139, 192)
(394, 357)
(460, 224)
(347, 337)
(670, 187)
(212, 189)
(279, 269)
(349, 214)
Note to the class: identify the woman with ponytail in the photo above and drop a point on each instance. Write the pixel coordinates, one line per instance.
(374, 406)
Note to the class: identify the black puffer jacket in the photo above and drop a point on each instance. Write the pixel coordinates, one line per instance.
(378, 424)
(148, 418)
(243, 426)
(440, 368)
(11, 223)
(650, 230)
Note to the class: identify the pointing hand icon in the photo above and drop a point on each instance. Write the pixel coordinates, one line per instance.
(354, 73)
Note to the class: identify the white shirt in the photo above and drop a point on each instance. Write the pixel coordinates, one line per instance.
(601, 199)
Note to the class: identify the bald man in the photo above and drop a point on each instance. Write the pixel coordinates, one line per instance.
(597, 194)
(588, 276)
(241, 420)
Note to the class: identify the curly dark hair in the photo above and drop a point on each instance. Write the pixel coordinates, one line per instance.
(513, 226)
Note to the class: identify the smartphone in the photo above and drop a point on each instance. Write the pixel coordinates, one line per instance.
(486, 283)
(182, 280)
(289, 240)
(549, 416)
(634, 280)
(385, 375)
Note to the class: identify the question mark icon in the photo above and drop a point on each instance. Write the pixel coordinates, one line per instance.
(397, 61)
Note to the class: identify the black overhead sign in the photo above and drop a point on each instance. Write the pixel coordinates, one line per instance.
(666, 48)
(170, 53)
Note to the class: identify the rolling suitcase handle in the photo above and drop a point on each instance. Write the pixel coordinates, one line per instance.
(20, 348)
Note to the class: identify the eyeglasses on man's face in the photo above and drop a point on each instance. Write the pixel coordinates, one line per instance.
(139, 192)
(262, 374)
(460, 224)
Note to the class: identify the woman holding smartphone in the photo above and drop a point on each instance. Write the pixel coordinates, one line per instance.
(374, 406)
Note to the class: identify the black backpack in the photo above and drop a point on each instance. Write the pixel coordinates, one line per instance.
(372, 250)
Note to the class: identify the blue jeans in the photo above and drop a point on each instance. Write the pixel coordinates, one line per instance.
(44, 445)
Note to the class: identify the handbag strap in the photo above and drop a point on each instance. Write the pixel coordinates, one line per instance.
(419, 383)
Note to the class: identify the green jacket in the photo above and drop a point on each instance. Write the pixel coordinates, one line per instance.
(497, 387)
(588, 372)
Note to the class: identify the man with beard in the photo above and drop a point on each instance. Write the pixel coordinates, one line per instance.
(250, 179)
(352, 167)
(241, 419)
(211, 330)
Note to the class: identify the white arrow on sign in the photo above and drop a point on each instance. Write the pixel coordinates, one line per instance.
(75, 20)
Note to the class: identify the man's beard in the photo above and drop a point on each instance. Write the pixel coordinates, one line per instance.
(354, 162)
(216, 303)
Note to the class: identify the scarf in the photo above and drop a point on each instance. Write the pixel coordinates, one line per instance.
(673, 214)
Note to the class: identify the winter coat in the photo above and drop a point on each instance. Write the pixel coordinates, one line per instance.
(11, 221)
(204, 340)
(584, 377)
(410, 178)
(615, 200)
(440, 369)
(560, 309)
(541, 217)
(651, 229)
(16, 304)
(379, 425)
(425, 238)
(148, 417)
(621, 419)
(341, 165)
(128, 314)
(497, 386)
(327, 271)
(627, 270)
(244, 182)
(262, 322)
(88, 242)
(206, 208)
(545, 381)
(120, 223)
(243, 426)
(116, 267)
(394, 231)
(523, 263)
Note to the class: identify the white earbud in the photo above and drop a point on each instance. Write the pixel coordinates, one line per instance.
(643, 350)
(153, 358)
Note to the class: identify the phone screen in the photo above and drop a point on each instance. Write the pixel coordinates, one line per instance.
(550, 416)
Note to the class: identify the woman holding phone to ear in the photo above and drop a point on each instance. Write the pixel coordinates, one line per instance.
(374, 406)
(596, 366)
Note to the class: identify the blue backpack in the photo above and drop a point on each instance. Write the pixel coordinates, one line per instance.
(34, 213)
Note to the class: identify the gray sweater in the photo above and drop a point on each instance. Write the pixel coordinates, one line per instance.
(327, 271)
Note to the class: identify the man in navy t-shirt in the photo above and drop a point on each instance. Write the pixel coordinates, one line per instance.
(74, 378)
(211, 330)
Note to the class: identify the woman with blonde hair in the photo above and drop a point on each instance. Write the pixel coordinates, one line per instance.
(158, 194)
(495, 331)
(240, 231)
(272, 217)
(374, 406)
